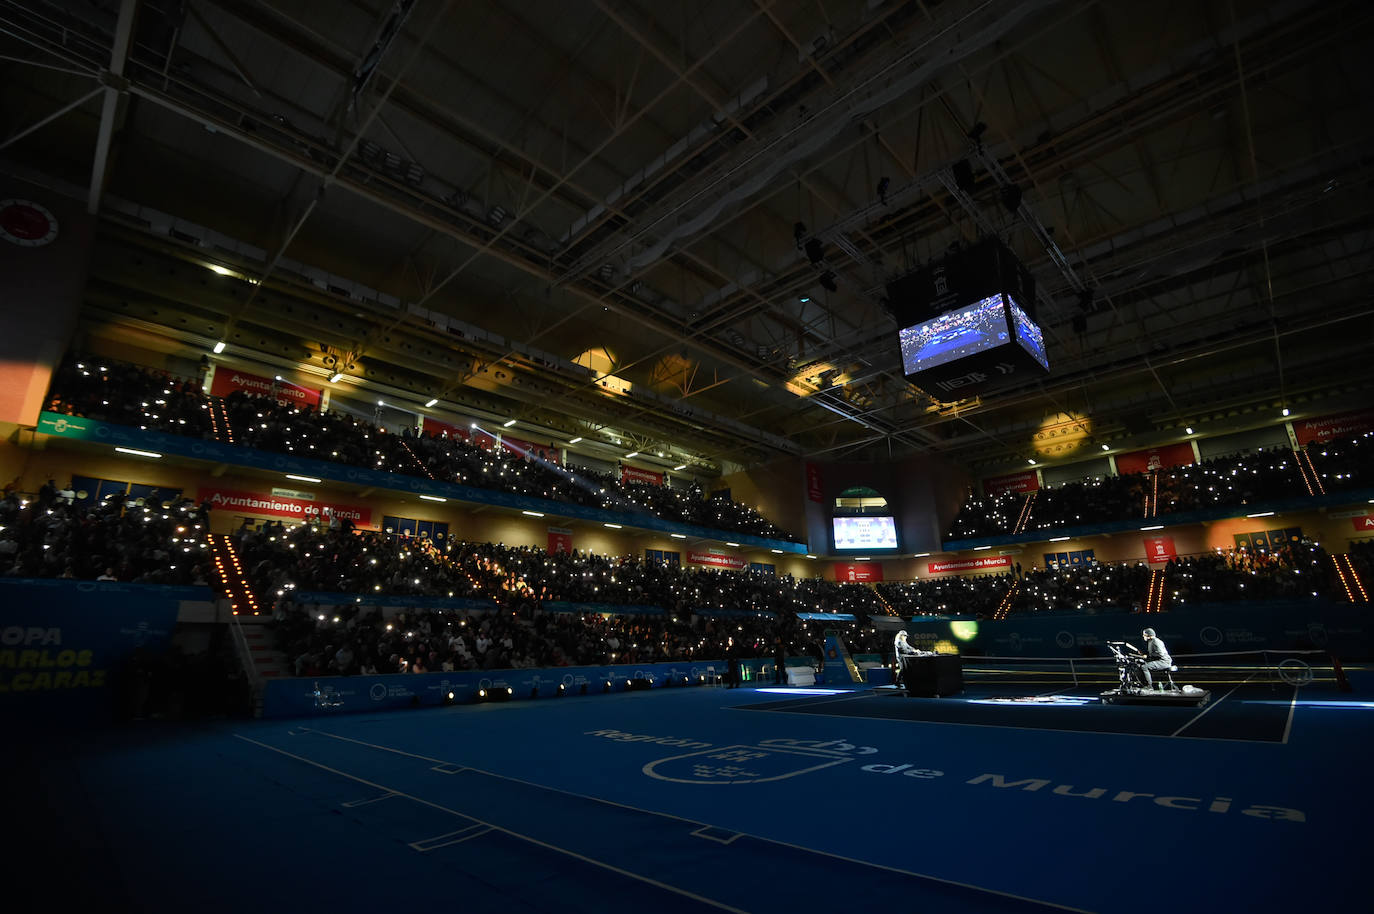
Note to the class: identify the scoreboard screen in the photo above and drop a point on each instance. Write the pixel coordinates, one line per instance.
(955, 335)
(865, 533)
(1028, 334)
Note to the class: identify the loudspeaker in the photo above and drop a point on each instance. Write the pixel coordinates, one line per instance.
(963, 175)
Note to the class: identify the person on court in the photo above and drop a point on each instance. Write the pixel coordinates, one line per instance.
(1156, 657)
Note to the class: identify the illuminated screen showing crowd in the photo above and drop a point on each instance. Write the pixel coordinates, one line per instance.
(954, 334)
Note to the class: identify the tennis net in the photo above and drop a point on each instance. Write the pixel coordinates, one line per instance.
(1293, 668)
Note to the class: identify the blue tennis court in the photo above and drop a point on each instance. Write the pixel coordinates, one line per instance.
(712, 799)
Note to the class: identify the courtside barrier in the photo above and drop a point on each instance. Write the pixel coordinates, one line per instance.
(305, 697)
(64, 644)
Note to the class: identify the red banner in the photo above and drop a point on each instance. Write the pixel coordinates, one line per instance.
(1330, 428)
(1363, 524)
(529, 450)
(1012, 482)
(1156, 458)
(267, 505)
(716, 560)
(1159, 549)
(227, 381)
(814, 489)
(560, 540)
(436, 428)
(992, 561)
(635, 474)
(858, 571)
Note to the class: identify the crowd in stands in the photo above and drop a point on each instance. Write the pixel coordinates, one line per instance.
(144, 398)
(279, 560)
(1362, 557)
(1299, 572)
(58, 534)
(1091, 586)
(977, 595)
(1265, 475)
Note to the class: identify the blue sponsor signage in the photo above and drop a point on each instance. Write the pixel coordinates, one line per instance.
(63, 643)
(347, 694)
(198, 449)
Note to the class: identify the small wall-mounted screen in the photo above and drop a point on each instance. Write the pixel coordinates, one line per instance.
(865, 533)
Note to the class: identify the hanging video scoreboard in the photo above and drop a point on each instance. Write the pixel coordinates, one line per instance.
(967, 323)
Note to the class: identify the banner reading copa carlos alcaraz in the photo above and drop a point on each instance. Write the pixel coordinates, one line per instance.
(63, 643)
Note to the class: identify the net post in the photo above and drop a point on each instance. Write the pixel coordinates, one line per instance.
(1341, 682)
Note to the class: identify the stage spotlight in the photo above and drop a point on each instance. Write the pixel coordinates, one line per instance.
(827, 281)
(607, 687)
(482, 693)
(815, 251)
(561, 689)
(449, 697)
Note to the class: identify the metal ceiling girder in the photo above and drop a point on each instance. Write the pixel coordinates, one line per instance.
(773, 154)
(119, 52)
(48, 119)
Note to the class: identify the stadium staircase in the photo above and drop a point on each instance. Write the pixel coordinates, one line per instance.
(1308, 470)
(1008, 601)
(1156, 599)
(1152, 496)
(1354, 587)
(418, 462)
(887, 607)
(1026, 511)
(231, 576)
(219, 421)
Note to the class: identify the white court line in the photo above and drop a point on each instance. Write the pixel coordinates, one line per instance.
(827, 700)
(701, 833)
(450, 839)
(506, 831)
(668, 815)
(1292, 706)
(1199, 715)
(354, 804)
(446, 768)
(960, 723)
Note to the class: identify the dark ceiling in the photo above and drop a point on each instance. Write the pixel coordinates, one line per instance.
(462, 199)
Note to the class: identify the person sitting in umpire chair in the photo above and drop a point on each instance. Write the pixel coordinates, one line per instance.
(1157, 660)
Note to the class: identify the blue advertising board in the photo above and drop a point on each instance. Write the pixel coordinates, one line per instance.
(347, 694)
(63, 642)
(625, 609)
(81, 429)
(409, 601)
